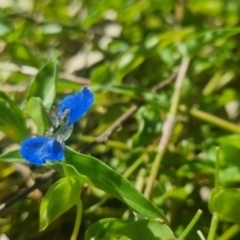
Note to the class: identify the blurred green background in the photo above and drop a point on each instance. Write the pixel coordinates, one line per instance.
(128, 52)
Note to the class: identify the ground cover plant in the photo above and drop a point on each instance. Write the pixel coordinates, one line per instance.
(119, 119)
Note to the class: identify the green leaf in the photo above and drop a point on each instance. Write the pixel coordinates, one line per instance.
(149, 125)
(102, 74)
(136, 55)
(130, 60)
(94, 172)
(51, 28)
(44, 85)
(230, 147)
(35, 109)
(194, 42)
(22, 53)
(136, 92)
(61, 196)
(110, 228)
(11, 156)
(5, 26)
(225, 204)
(12, 122)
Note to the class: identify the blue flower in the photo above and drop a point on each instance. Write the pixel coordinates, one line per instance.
(77, 104)
(37, 150)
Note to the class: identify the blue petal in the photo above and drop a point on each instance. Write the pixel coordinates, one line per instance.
(77, 104)
(39, 149)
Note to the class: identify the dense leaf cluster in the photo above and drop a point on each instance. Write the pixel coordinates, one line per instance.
(130, 53)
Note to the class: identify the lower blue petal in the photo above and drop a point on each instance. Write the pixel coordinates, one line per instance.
(39, 149)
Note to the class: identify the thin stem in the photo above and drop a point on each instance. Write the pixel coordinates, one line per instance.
(109, 143)
(178, 86)
(167, 127)
(200, 234)
(78, 220)
(231, 127)
(230, 233)
(65, 168)
(217, 168)
(213, 228)
(214, 222)
(79, 206)
(134, 166)
(140, 181)
(154, 172)
(97, 205)
(190, 225)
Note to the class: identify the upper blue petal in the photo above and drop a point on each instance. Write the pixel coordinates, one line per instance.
(37, 150)
(77, 104)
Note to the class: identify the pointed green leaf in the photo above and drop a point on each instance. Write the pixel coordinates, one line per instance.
(44, 84)
(102, 74)
(12, 122)
(110, 228)
(5, 25)
(98, 174)
(62, 195)
(11, 156)
(36, 110)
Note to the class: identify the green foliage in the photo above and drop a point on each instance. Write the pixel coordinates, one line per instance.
(5, 25)
(225, 204)
(44, 84)
(129, 53)
(142, 229)
(61, 196)
(11, 156)
(35, 109)
(99, 175)
(11, 120)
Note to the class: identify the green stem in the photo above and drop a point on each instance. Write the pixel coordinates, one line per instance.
(97, 205)
(168, 127)
(109, 143)
(79, 206)
(190, 225)
(134, 166)
(78, 220)
(154, 172)
(65, 168)
(213, 228)
(211, 119)
(230, 233)
(217, 168)
(214, 222)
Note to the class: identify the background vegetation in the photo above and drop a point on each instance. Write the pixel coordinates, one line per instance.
(130, 53)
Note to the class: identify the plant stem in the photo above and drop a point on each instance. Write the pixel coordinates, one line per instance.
(79, 206)
(109, 143)
(217, 168)
(97, 205)
(214, 222)
(154, 172)
(167, 127)
(213, 228)
(65, 168)
(78, 220)
(135, 165)
(201, 235)
(230, 233)
(211, 119)
(190, 225)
